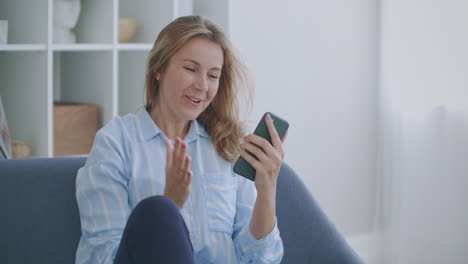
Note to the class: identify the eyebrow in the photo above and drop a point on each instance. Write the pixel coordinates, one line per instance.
(198, 64)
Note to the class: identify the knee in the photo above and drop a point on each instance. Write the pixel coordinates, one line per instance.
(155, 209)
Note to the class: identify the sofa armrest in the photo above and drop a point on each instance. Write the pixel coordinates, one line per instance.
(308, 235)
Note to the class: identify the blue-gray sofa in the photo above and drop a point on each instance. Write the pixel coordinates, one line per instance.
(40, 220)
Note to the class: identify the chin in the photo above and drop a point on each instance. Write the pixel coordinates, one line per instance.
(191, 116)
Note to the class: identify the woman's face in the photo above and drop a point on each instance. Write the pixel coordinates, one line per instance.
(190, 81)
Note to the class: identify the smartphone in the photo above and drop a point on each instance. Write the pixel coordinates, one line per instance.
(242, 167)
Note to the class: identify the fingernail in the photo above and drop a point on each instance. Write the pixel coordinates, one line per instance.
(269, 117)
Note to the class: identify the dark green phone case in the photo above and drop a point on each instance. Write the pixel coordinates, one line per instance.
(242, 167)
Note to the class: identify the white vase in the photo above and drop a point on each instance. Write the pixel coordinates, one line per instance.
(63, 35)
(66, 13)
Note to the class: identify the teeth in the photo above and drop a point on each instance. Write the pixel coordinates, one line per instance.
(195, 101)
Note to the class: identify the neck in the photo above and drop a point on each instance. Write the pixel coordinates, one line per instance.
(168, 125)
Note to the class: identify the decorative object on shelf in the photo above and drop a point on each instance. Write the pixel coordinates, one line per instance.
(21, 150)
(5, 140)
(3, 31)
(127, 29)
(75, 126)
(66, 13)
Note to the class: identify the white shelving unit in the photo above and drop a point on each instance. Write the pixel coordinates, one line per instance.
(35, 72)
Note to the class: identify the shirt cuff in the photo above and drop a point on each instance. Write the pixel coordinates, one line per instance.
(253, 242)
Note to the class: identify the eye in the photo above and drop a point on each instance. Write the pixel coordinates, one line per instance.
(189, 69)
(213, 76)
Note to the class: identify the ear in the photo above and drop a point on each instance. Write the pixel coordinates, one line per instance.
(158, 75)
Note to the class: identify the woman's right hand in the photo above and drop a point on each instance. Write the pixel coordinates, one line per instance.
(178, 173)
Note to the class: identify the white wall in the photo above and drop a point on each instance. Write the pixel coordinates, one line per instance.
(315, 64)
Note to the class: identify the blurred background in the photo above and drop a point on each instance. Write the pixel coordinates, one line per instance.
(375, 91)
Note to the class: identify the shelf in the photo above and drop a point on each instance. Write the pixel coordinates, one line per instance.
(27, 20)
(37, 69)
(84, 77)
(135, 47)
(95, 22)
(211, 9)
(82, 47)
(25, 98)
(132, 67)
(23, 47)
(149, 22)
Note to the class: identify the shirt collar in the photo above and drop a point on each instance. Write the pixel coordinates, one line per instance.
(150, 129)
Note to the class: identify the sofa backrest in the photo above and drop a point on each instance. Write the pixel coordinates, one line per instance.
(41, 222)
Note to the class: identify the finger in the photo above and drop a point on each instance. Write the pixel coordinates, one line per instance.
(187, 163)
(275, 139)
(251, 160)
(179, 153)
(182, 153)
(275, 154)
(262, 143)
(176, 149)
(256, 151)
(188, 178)
(169, 153)
(284, 137)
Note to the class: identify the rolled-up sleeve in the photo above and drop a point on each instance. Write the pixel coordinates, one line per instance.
(102, 197)
(249, 249)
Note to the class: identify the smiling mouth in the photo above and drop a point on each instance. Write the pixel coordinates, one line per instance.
(194, 99)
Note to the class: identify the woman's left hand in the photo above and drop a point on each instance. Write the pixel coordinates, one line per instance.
(269, 158)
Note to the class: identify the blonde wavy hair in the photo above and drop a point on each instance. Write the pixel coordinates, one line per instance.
(221, 117)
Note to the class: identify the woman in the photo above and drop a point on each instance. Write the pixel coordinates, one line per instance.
(147, 196)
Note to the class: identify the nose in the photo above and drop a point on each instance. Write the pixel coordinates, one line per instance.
(202, 83)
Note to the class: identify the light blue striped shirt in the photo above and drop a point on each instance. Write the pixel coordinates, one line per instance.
(127, 164)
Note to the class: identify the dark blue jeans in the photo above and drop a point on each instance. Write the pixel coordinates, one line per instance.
(155, 233)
